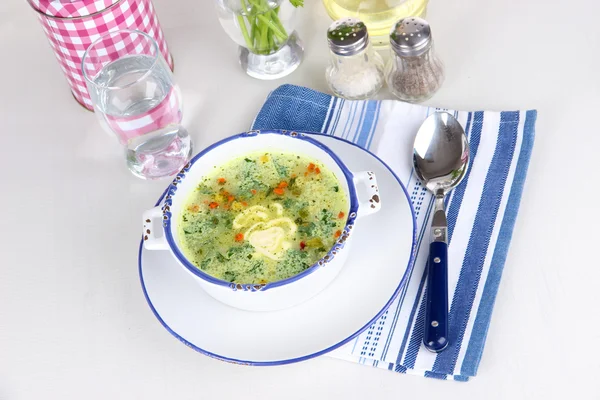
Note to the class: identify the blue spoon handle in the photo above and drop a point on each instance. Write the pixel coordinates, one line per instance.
(436, 312)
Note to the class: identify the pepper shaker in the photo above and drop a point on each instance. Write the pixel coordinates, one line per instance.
(355, 71)
(414, 72)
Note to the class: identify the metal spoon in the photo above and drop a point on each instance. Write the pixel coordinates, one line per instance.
(440, 158)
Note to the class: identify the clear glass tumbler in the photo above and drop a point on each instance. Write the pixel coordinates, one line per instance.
(135, 97)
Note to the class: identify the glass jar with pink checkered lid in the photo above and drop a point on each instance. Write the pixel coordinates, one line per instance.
(71, 26)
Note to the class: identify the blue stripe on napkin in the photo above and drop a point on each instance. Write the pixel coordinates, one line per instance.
(477, 341)
(481, 216)
(298, 109)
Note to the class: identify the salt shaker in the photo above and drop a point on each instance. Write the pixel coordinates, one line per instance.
(414, 72)
(356, 70)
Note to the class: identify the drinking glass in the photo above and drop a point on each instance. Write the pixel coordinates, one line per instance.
(136, 98)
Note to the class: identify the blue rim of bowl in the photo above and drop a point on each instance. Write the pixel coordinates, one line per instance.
(328, 257)
(401, 284)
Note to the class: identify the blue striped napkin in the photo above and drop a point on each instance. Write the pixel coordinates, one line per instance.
(481, 217)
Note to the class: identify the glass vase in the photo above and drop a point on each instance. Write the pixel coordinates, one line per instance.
(269, 47)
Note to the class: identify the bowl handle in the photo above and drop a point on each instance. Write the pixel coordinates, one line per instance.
(151, 240)
(371, 206)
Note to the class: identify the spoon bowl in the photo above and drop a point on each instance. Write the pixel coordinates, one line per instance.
(441, 153)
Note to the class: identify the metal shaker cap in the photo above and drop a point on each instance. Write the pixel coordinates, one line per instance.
(410, 36)
(347, 36)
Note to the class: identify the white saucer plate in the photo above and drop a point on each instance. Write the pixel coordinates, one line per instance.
(378, 266)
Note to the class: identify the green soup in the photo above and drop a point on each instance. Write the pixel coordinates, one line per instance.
(262, 218)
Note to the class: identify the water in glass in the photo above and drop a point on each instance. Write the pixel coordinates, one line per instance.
(145, 113)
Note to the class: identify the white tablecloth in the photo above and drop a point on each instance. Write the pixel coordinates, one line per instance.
(73, 321)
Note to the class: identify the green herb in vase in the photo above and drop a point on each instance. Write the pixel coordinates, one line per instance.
(269, 46)
(262, 30)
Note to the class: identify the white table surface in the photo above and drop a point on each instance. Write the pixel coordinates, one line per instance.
(73, 321)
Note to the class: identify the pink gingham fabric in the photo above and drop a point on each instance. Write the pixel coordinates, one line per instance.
(71, 8)
(71, 26)
(167, 113)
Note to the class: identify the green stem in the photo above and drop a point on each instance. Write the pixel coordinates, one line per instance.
(273, 26)
(253, 30)
(264, 39)
(266, 30)
(257, 8)
(277, 21)
(271, 41)
(244, 29)
(261, 5)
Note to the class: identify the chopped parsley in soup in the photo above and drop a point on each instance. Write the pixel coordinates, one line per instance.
(263, 217)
